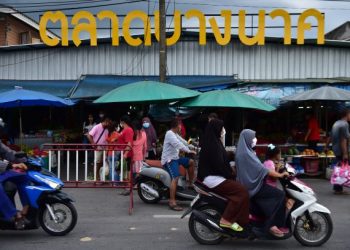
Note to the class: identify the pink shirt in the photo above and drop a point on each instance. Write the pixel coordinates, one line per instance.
(96, 131)
(270, 180)
(139, 147)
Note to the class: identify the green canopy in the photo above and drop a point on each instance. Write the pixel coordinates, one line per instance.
(227, 98)
(146, 92)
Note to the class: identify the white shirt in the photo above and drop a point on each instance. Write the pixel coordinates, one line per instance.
(172, 146)
(213, 181)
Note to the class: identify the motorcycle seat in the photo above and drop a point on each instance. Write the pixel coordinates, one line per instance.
(208, 190)
(154, 163)
(158, 164)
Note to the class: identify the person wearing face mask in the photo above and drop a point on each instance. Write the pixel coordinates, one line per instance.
(151, 138)
(125, 139)
(87, 126)
(101, 115)
(215, 172)
(97, 136)
(252, 174)
(213, 116)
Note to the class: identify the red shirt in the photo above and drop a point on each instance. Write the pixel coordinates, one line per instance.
(112, 139)
(315, 130)
(126, 136)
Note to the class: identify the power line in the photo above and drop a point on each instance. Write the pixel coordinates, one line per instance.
(252, 6)
(53, 2)
(75, 8)
(31, 59)
(140, 48)
(36, 5)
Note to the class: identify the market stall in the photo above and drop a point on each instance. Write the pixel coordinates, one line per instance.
(305, 161)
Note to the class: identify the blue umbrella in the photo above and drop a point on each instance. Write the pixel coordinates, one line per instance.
(20, 97)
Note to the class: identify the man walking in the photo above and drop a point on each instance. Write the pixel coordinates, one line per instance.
(340, 143)
(98, 136)
(171, 161)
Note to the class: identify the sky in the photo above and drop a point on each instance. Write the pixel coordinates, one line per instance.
(336, 12)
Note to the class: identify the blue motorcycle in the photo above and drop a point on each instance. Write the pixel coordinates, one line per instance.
(50, 208)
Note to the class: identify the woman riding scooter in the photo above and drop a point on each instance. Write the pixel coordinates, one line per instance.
(12, 173)
(252, 174)
(215, 172)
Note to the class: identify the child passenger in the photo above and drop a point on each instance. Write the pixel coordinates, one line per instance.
(273, 161)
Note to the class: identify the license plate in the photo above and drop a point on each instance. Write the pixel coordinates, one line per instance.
(195, 200)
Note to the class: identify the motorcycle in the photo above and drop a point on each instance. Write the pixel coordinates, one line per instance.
(50, 208)
(153, 184)
(307, 220)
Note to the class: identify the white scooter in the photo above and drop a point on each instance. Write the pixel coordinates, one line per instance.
(309, 221)
(153, 184)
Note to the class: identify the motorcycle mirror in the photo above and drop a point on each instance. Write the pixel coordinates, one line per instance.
(290, 169)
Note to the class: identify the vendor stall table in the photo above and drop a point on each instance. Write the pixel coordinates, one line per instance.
(33, 141)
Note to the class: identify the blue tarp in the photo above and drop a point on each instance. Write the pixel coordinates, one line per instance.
(93, 86)
(53, 87)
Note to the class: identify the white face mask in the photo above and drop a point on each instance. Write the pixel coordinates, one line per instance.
(254, 142)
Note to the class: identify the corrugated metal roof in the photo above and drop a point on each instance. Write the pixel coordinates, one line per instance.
(273, 61)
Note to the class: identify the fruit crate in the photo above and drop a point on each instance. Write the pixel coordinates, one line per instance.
(311, 165)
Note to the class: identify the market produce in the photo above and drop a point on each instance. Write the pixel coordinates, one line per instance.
(293, 151)
(309, 152)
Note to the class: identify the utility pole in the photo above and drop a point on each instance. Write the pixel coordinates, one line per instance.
(162, 41)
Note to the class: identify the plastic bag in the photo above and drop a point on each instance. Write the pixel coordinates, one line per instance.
(341, 175)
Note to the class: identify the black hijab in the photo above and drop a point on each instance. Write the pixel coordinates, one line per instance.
(213, 158)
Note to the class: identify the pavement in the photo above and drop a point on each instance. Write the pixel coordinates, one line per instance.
(104, 223)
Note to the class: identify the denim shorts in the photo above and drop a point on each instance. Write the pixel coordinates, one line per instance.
(173, 166)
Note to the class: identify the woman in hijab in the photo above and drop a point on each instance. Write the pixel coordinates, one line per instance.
(252, 173)
(215, 172)
(151, 138)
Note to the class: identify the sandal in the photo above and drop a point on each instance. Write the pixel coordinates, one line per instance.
(276, 232)
(20, 223)
(175, 208)
(235, 227)
(284, 230)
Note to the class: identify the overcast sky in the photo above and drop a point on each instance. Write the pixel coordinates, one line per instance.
(336, 12)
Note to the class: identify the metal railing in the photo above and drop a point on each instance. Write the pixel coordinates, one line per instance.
(91, 166)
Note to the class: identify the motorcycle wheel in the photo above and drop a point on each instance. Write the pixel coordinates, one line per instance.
(66, 215)
(202, 234)
(313, 237)
(144, 196)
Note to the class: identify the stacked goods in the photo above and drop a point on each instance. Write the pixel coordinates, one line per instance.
(309, 152)
(330, 153)
(293, 151)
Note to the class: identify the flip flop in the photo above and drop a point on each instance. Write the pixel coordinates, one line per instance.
(175, 208)
(276, 233)
(235, 227)
(20, 223)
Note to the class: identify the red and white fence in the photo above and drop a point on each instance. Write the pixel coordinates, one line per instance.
(77, 165)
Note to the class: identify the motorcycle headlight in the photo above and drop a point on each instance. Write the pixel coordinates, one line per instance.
(53, 184)
(50, 183)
